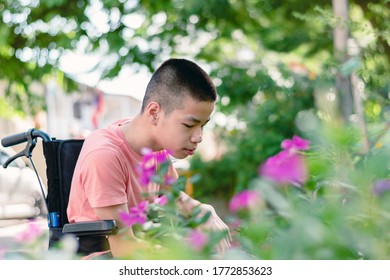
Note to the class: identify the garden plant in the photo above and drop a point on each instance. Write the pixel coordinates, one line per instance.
(319, 197)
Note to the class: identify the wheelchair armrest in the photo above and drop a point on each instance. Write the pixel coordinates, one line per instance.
(103, 227)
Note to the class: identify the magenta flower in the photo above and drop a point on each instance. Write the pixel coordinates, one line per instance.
(30, 234)
(235, 223)
(149, 155)
(381, 186)
(285, 168)
(162, 200)
(295, 144)
(136, 215)
(169, 180)
(3, 251)
(150, 162)
(197, 239)
(246, 199)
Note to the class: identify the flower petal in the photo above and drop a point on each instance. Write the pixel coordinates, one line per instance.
(285, 168)
(296, 143)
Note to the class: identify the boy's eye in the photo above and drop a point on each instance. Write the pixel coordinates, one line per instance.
(187, 125)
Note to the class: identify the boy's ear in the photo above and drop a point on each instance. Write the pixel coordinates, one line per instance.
(152, 110)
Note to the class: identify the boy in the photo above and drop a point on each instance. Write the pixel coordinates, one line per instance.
(178, 102)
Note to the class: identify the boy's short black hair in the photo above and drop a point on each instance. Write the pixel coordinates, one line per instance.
(175, 79)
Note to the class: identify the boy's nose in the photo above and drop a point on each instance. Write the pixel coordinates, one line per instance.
(197, 138)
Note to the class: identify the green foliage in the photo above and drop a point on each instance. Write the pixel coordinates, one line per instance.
(216, 177)
(269, 117)
(342, 217)
(268, 60)
(34, 36)
(170, 229)
(236, 38)
(337, 214)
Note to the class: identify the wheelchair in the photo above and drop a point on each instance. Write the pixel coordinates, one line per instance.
(60, 158)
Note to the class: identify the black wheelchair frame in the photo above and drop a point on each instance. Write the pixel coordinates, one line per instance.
(60, 158)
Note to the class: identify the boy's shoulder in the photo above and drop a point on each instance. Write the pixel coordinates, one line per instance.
(106, 138)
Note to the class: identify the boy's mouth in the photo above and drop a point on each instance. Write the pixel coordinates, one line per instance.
(189, 151)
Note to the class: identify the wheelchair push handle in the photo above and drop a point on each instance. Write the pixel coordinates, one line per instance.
(14, 139)
(24, 137)
(29, 137)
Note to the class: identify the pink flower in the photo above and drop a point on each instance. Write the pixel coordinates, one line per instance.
(197, 239)
(285, 168)
(295, 144)
(159, 156)
(162, 200)
(3, 251)
(143, 206)
(244, 200)
(235, 223)
(169, 180)
(32, 231)
(136, 215)
(150, 162)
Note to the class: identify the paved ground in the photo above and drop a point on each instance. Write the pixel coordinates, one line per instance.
(10, 228)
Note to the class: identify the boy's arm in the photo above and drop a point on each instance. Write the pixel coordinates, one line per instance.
(186, 204)
(124, 243)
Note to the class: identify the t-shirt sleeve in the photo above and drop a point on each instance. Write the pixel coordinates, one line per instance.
(103, 178)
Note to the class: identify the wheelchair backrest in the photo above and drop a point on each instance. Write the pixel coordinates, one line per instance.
(61, 157)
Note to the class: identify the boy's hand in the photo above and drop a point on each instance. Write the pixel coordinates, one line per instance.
(214, 223)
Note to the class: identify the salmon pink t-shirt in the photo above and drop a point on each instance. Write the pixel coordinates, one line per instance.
(106, 174)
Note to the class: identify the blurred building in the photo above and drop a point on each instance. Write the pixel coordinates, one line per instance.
(75, 115)
(69, 115)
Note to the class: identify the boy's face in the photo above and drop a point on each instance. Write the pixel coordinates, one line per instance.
(181, 131)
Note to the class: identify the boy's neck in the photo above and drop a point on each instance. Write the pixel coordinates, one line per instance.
(137, 134)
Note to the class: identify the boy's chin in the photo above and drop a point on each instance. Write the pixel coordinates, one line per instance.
(179, 155)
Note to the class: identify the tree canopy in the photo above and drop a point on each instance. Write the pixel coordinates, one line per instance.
(234, 37)
(269, 56)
